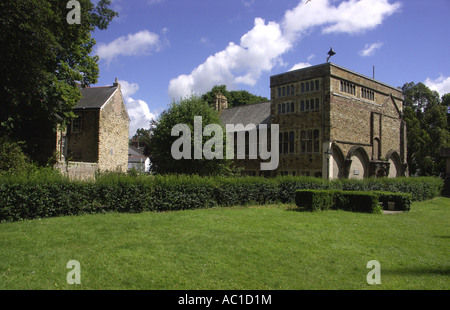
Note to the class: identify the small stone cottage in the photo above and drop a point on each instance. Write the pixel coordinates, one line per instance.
(97, 140)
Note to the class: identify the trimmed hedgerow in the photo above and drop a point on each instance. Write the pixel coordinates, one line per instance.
(46, 194)
(356, 201)
(401, 201)
(314, 200)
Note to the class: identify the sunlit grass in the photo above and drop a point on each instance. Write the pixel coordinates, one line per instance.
(260, 247)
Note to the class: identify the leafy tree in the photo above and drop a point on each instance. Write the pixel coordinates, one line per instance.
(426, 119)
(161, 139)
(43, 57)
(143, 137)
(234, 97)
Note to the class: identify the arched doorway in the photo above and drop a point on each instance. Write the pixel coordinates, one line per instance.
(359, 167)
(337, 171)
(394, 164)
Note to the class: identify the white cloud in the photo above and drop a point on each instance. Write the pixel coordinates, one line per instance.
(258, 51)
(369, 49)
(138, 110)
(133, 44)
(441, 84)
(352, 16)
(300, 65)
(262, 48)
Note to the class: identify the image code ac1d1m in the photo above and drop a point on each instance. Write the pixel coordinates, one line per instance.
(226, 300)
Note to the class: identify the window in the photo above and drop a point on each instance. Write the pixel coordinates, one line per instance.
(286, 142)
(279, 91)
(77, 124)
(367, 94)
(286, 107)
(316, 144)
(348, 88)
(303, 141)
(291, 142)
(310, 141)
(292, 90)
(309, 86)
(312, 104)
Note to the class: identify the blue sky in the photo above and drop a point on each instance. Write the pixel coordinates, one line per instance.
(162, 50)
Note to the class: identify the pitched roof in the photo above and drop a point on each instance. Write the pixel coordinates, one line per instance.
(95, 97)
(257, 114)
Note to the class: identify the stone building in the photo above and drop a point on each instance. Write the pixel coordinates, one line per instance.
(97, 140)
(333, 123)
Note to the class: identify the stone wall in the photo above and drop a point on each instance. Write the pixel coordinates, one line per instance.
(83, 145)
(78, 170)
(113, 135)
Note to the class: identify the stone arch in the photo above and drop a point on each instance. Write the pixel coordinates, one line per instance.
(338, 163)
(359, 166)
(394, 164)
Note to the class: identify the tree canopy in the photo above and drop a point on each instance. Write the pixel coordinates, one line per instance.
(427, 122)
(43, 58)
(234, 97)
(161, 139)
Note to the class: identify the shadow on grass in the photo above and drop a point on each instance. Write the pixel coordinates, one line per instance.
(418, 271)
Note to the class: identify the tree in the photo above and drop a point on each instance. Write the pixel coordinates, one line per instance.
(234, 97)
(143, 137)
(43, 57)
(426, 119)
(161, 139)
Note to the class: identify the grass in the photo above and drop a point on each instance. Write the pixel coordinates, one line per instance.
(253, 248)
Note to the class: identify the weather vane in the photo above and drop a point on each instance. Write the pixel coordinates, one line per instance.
(331, 52)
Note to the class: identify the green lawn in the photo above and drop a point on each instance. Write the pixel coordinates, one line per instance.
(267, 247)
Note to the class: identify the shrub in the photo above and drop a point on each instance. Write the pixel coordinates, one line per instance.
(314, 200)
(44, 192)
(402, 201)
(355, 201)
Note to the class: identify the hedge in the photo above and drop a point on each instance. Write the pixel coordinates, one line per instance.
(48, 195)
(356, 201)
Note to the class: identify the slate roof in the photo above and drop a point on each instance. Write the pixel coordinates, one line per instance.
(135, 155)
(257, 114)
(94, 97)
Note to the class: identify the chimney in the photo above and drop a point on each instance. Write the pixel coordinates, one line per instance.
(221, 102)
(116, 84)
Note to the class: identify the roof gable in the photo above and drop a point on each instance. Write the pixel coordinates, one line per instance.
(95, 97)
